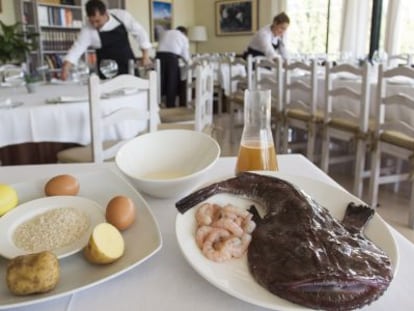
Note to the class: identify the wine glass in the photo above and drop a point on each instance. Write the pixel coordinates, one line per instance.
(109, 68)
(379, 57)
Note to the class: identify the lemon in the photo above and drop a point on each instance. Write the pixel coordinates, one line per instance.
(8, 199)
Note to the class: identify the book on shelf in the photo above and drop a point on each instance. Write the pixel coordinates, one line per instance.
(52, 16)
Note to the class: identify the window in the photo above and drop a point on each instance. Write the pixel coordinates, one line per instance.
(407, 27)
(310, 22)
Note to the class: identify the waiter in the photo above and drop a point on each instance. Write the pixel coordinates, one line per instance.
(107, 32)
(172, 46)
(268, 41)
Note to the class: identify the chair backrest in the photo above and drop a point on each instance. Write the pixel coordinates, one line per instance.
(204, 88)
(99, 121)
(349, 82)
(400, 59)
(157, 68)
(300, 86)
(268, 74)
(238, 81)
(395, 110)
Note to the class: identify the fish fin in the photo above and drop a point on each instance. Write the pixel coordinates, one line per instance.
(356, 217)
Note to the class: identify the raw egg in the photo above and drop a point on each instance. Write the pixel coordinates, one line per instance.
(62, 185)
(120, 212)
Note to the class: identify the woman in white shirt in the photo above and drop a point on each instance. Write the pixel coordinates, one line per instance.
(172, 46)
(268, 41)
(107, 32)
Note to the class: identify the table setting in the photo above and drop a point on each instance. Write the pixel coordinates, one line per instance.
(161, 257)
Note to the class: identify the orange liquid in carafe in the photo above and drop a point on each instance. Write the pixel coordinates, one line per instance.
(253, 157)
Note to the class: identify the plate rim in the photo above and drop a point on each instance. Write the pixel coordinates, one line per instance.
(19, 216)
(290, 305)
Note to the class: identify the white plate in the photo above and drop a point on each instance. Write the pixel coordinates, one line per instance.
(142, 239)
(26, 211)
(234, 278)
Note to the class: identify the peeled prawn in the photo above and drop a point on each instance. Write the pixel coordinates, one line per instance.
(213, 247)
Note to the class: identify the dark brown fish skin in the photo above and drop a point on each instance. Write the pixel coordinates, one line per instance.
(300, 252)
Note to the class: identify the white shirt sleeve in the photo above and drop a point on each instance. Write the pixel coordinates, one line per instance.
(80, 45)
(262, 42)
(134, 28)
(265, 43)
(185, 53)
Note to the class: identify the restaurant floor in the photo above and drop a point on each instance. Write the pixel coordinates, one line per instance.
(393, 205)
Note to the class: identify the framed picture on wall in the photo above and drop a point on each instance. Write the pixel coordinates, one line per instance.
(161, 17)
(235, 17)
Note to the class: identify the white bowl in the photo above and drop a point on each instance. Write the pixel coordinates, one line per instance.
(168, 163)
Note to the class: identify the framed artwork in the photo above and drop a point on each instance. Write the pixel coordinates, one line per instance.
(161, 17)
(235, 17)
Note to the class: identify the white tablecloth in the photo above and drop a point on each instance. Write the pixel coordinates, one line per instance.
(37, 121)
(167, 282)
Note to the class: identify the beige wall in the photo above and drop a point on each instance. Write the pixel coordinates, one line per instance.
(205, 15)
(7, 15)
(183, 14)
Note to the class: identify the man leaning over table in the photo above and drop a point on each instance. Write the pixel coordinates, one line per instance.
(268, 41)
(107, 32)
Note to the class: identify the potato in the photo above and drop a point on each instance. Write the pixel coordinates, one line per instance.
(105, 245)
(34, 273)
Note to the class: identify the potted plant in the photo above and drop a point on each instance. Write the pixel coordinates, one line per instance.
(15, 43)
(32, 80)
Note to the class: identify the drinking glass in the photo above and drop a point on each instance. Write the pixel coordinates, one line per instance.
(109, 68)
(257, 150)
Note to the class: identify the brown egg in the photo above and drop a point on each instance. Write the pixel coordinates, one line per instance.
(120, 212)
(62, 185)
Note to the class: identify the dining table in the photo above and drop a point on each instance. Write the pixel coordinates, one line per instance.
(58, 112)
(166, 281)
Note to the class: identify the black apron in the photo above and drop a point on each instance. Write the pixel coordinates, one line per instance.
(255, 53)
(170, 77)
(115, 45)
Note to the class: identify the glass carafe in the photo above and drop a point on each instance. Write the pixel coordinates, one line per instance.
(257, 150)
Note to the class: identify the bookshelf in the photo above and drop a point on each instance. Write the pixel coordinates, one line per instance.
(58, 23)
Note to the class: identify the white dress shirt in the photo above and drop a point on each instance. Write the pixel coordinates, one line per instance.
(89, 36)
(174, 41)
(262, 41)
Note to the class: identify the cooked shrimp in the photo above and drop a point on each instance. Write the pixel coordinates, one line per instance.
(213, 247)
(228, 224)
(207, 213)
(232, 210)
(248, 225)
(201, 234)
(237, 246)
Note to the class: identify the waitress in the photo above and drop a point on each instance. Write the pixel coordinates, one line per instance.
(107, 32)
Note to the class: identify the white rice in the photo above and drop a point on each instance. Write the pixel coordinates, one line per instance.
(51, 230)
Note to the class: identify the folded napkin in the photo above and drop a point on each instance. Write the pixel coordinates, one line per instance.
(66, 99)
(126, 91)
(61, 82)
(346, 76)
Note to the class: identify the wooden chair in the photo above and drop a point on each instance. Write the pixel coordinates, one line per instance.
(268, 74)
(347, 118)
(400, 60)
(198, 115)
(300, 112)
(100, 150)
(237, 85)
(394, 134)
